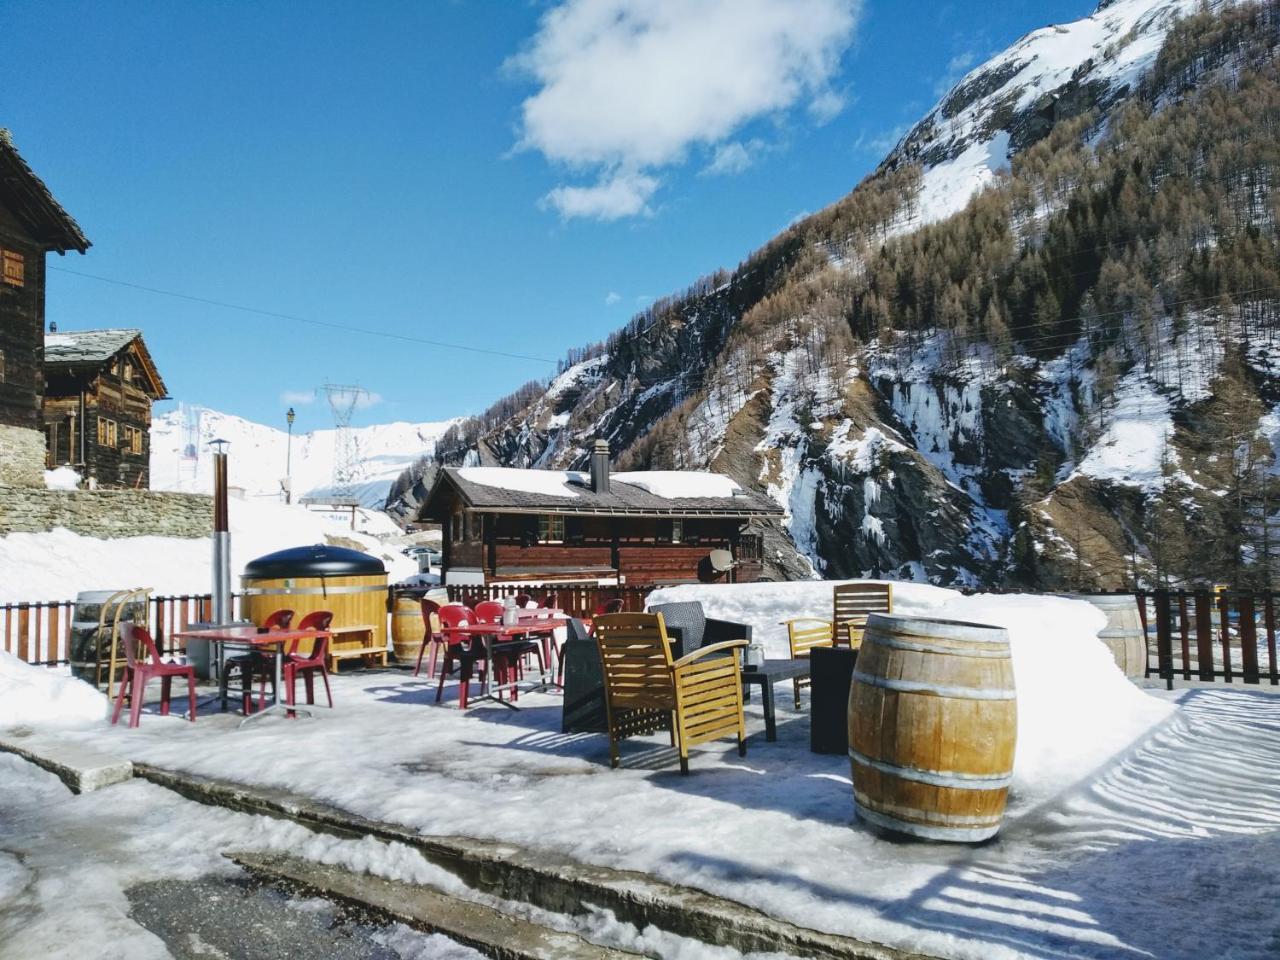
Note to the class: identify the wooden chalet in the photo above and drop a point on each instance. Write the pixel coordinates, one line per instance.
(99, 386)
(31, 224)
(543, 526)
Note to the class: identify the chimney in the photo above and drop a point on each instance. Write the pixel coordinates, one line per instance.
(600, 466)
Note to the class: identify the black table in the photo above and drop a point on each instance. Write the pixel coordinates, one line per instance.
(764, 677)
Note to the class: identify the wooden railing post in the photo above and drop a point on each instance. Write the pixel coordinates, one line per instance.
(1204, 634)
(1164, 638)
(1271, 638)
(1224, 626)
(1186, 639)
(1248, 638)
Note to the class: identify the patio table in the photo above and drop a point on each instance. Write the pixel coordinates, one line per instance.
(250, 638)
(765, 676)
(486, 632)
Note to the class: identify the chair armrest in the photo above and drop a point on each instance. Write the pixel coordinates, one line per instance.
(713, 648)
(787, 623)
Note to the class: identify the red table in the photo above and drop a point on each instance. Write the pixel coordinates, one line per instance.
(538, 622)
(250, 638)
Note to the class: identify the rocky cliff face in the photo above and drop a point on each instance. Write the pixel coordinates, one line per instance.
(1030, 414)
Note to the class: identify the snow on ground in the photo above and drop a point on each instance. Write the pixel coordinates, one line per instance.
(41, 697)
(1124, 807)
(59, 564)
(947, 188)
(61, 478)
(1132, 448)
(257, 455)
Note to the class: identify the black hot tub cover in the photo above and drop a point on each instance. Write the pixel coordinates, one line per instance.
(317, 560)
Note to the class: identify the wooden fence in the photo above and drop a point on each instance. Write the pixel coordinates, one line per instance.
(576, 601)
(1209, 636)
(40, 633)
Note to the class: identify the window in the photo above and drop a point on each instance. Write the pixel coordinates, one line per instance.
(455, 528)
(15, 268)
(677, 531)
(551, 528)
(133, 440)
(126, 371)
(107, 433)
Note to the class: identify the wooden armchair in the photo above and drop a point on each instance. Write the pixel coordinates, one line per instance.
(697, 698)
(853, 602)
(805, 633)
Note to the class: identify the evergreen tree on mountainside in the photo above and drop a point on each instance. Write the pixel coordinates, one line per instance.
(1138, 236)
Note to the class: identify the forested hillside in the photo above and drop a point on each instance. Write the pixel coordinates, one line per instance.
(1069, 381)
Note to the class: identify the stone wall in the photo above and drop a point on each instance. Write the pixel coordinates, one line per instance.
(21, 457)
(105, 513)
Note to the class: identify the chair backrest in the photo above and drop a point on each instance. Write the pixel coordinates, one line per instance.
(688, 617)
(279, 620)
(854, 602)
(805, 633)
(523, 600)
(433, 623)
(612, 605)
(428, 608)
(550, 601)
(138, 645)
(635, 655)
(316, 620)
(456, 615)
(489, 611)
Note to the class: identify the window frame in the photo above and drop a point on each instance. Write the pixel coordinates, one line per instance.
(13, 263)
(548, 525)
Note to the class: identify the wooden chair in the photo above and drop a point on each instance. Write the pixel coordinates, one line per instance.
(853, 602)
(697, 698)
(805, 633)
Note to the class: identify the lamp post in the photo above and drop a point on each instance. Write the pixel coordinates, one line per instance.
(290, 416)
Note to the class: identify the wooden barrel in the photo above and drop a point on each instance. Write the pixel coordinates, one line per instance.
(932, 727)
(85, 642)
(1123, 633)
(406, 628)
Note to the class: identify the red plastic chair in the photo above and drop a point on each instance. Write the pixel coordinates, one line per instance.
(279, 620)
(141, 668)
(463, 649)
(431, 637)
(295, 664)
(253, 665)
(508, 653)
(523, 600)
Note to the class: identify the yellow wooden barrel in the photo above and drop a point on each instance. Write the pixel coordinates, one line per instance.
(406, 628)
(350, 584)
(1123, 634)
(932, 727)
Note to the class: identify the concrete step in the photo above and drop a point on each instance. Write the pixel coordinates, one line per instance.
(80, 768)
(546, 879)
(484, 928)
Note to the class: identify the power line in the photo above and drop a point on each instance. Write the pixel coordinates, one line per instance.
(348, 328)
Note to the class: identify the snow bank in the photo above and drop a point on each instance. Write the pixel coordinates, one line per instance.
(62, 478)
(1076, 710)
(679, 484)
(31, 696)
(59, 564)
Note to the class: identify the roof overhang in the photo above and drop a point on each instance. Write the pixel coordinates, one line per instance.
(35, 207)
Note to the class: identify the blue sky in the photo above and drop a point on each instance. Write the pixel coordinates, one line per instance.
(520, 177)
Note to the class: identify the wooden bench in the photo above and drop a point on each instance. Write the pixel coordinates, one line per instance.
(351, 642)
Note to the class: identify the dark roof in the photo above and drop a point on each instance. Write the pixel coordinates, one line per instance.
(92, 348)
(31, 202)
(318, 560)
(622, 499)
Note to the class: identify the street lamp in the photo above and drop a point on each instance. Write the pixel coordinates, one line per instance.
(290, 416)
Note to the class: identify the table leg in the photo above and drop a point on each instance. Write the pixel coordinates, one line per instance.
(770, 725)
(277, 704)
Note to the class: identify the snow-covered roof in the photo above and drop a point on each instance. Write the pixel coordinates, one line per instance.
(650, 492)
(88, 348)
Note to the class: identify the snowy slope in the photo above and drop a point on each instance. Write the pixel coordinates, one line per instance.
(1001, 106)
(257, 455)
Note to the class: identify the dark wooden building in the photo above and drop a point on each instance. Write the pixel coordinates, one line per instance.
(544, 526)
(31, 224)
(98, 389)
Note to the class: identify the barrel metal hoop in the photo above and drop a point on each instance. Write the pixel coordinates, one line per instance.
(308, 591)
(963, 834)
(959, 781)
(915, 686)
(992, 651)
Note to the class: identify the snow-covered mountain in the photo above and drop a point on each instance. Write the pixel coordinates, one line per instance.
(181, 459)
(1040, 344)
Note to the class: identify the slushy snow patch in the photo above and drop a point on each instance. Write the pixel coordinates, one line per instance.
(39, 696)
(680, 484)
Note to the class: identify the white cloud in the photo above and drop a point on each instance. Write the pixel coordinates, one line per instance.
(298, 398)
(368, 399)
(731, 158)
(624, 194)
(612, 297)
(879, 144)
(626, 88)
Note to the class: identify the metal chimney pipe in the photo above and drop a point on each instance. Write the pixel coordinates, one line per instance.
(600, 466)
(221, 537)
